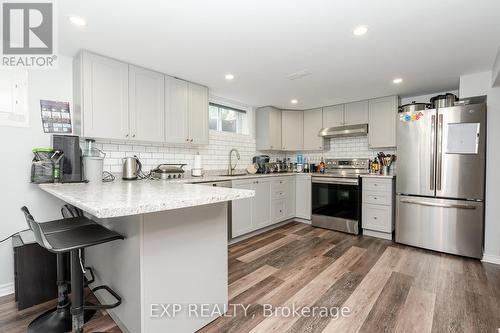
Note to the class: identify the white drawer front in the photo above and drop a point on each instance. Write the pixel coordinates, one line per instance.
(377, 185)
(378, 218)
(279, 184)
(279, 210)
(377, 198)
(279, 194)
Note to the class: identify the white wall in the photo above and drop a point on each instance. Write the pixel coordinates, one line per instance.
(474, 85)
(17, 143)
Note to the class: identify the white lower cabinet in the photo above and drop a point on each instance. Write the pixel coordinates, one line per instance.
(378, 207)
(274, 202)
(241, 216)
(262, 203)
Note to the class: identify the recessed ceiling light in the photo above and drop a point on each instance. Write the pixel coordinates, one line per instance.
(360, 30)
(397, 80)
(229, 77)
(77, 20)
(294, 101)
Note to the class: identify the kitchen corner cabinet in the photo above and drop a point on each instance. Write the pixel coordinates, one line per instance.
(101, 97)
(268, 128)
(382, 121)
(274, 202)
(146, 104)
(313, 123)
(292, 130)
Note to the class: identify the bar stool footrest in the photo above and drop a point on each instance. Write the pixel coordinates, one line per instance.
(105, 306)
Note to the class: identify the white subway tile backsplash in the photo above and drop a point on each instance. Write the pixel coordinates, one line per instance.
(215, 155)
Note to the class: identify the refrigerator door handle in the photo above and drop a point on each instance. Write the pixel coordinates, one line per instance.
(433, 152)
(435, 204)
(439, 152)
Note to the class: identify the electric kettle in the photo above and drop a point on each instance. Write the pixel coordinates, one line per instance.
(131, 168)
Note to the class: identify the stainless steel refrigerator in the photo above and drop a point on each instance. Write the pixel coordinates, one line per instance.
(440, 180)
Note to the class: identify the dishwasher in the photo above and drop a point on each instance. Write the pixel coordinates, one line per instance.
(228, 184)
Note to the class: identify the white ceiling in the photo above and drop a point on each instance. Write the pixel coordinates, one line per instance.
(428, 43)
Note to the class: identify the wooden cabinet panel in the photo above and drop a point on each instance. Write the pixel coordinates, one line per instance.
(382, 119)
(356, 113)
(147, 104)
(313, 123)
(292, 135)
(105, 104)
(333, 116)
(176, 110)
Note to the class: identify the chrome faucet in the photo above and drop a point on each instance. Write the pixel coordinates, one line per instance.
(231, 168)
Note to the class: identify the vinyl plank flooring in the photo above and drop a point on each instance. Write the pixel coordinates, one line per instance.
(312, 291)
(416, 315)
(364, 297)
(249, 280)
(387, 287)
(385, 312)
(259, 252)
(333, 298)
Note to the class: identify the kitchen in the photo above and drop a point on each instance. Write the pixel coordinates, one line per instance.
(270, 188)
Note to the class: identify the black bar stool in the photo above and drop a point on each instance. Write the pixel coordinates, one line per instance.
(71, 236)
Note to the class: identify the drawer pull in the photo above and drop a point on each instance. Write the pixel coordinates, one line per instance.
(374, 217)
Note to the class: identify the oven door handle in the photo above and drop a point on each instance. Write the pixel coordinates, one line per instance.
(335, 181)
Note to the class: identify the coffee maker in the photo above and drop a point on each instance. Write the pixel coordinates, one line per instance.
(71, 164)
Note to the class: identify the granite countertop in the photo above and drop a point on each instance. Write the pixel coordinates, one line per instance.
(216, 178)
(122, 198)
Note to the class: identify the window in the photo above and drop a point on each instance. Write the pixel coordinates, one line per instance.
(227, 119)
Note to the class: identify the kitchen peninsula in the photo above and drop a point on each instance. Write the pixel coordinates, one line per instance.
(174, 252)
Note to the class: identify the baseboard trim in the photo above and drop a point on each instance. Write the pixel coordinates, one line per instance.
(6, 289)
(491, 259)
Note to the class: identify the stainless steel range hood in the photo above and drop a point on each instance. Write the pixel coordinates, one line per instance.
(344, 131)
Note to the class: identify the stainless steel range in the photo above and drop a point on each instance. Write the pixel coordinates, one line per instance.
(336, 195)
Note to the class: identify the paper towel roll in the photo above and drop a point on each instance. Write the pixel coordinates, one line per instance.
(197, 161)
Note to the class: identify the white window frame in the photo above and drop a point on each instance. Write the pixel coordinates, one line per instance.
(245, 128)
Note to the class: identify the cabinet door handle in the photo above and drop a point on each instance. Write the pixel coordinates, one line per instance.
(187, 140)
(133, 135)
(191, 140)
(126, 135)
(374, 217)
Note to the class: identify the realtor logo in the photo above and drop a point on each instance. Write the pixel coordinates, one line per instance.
(28, 34)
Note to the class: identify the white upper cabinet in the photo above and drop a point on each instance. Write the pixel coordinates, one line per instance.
(115, 100)
(101, 96)
(313, 123)
(356, 113)
(147, 104)
(268, 128)
(198, 114)
(333, 116)
(382, 120)
(292, 130)
(176, 110)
